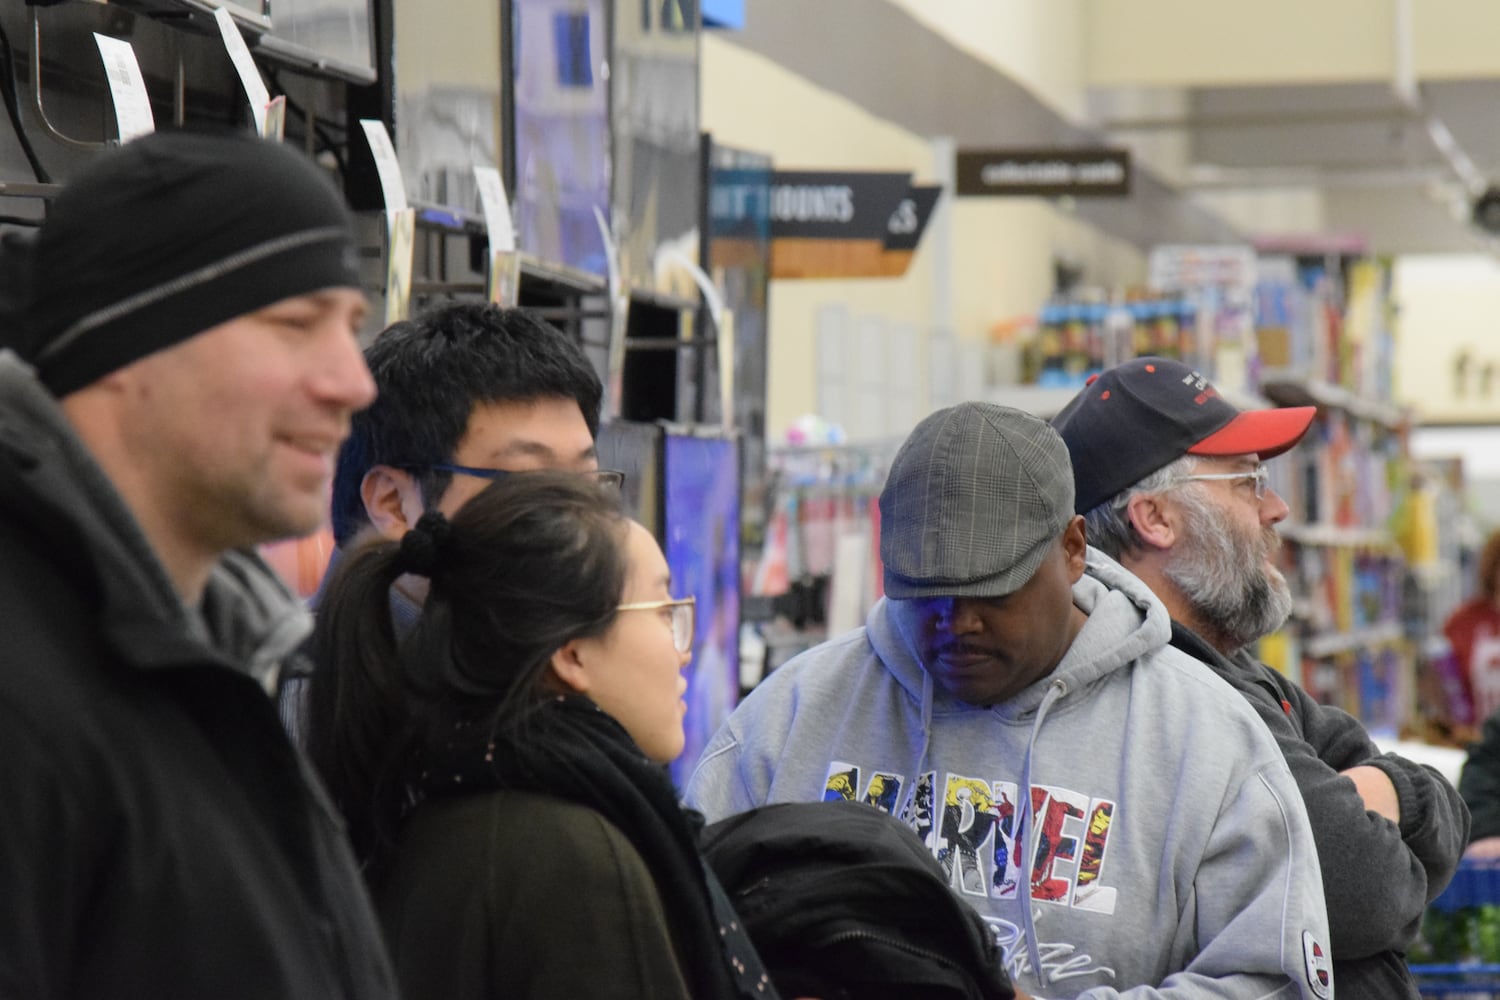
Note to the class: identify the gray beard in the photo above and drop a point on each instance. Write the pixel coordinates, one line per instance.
(1221, 573)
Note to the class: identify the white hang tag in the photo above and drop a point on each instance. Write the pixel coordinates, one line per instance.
(496, 206)
(275, 126)
(244, 65)
(387, 167)
(127, 88)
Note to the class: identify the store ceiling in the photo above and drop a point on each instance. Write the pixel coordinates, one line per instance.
(931, 88)
(1343, 130)
(1371, 159)
(1363, 163)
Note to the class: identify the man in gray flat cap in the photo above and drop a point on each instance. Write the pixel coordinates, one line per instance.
(1122, 821)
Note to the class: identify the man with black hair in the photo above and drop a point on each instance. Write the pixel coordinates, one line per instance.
(467, 392)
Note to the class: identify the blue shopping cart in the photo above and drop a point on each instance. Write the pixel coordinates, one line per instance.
(1458, 956)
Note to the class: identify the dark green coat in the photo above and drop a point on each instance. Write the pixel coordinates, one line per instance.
(518, 894)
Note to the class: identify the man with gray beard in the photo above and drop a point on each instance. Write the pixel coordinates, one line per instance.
(1170, 480)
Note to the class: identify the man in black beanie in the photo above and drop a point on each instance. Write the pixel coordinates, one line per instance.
(184, 369)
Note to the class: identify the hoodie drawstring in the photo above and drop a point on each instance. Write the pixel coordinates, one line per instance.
(1055, 690)
(909, 799)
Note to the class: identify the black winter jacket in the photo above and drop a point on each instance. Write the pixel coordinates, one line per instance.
(160, 838)
(1378, 877)
(843, 900)
(1479, 782)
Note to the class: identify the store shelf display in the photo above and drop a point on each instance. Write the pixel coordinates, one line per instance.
(818, 570)
(1370, 544)
(1287, 330)
(1323, 336)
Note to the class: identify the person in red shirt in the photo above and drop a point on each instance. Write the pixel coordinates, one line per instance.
(1473, 630)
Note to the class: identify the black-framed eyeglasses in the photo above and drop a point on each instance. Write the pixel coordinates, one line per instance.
(611, 478)
(684, 618)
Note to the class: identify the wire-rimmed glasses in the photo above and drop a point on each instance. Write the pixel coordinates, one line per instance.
(1259, 474)
(684, 618)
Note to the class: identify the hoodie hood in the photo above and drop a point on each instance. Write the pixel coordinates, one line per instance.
(248, 619)
(1125, 621)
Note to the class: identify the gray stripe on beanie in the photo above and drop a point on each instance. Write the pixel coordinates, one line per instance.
(201, 276)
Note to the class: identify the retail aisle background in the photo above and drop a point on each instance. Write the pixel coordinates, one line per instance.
(1206, 96)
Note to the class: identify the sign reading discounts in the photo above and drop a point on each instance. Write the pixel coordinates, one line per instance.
(845, 224)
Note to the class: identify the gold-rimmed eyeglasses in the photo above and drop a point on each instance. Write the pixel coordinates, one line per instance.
(684, 618)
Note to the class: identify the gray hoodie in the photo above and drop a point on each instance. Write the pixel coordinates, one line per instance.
(1171, 854)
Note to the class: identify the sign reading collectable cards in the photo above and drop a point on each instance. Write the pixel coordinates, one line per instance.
(1046, 173)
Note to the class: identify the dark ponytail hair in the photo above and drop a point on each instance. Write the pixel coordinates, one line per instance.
(526, 566)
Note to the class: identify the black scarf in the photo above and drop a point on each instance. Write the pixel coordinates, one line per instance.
(572, 750)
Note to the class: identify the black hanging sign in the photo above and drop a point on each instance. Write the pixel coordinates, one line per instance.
(904, 229)
(1047, 173)
(834, 205)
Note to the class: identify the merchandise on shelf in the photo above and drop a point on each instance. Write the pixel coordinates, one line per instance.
(819, 570)
(1075, 339)
(1327, 321)
(1368, 550)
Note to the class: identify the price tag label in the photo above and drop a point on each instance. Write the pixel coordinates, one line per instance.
(496, 207)
(505, 264)
(244, 65)
(401, 234)
(275, 126)
(127, 88)
(387, 167)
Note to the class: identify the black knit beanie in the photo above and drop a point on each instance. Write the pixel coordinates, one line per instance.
(168, 236)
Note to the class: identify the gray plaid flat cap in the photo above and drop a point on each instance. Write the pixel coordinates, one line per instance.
(974, 498)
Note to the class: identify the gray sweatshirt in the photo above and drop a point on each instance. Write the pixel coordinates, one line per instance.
(1170, 854)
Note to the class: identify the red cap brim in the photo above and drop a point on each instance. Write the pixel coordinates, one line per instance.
(1266, 433)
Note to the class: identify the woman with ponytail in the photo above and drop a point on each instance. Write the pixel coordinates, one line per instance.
(500, 768)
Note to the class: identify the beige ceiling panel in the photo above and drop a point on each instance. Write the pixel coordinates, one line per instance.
(1193, 43)
(1456, 39)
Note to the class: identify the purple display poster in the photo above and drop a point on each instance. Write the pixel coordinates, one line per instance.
(559, 65)
(702, 519)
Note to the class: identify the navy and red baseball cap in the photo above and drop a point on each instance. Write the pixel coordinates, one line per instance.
(1145, 414)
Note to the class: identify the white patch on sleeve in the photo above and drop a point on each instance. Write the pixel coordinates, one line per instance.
(1319, 966)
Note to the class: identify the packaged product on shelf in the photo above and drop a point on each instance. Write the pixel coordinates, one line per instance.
(1075, 342)
(1141, 333)
(1165, 342)
(1049, 352)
